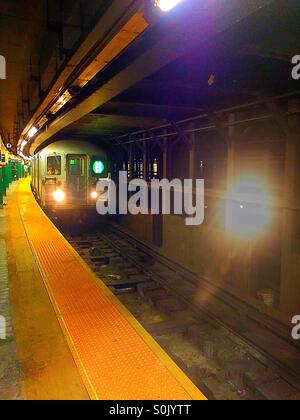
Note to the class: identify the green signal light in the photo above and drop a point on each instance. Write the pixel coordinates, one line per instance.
(98, 167)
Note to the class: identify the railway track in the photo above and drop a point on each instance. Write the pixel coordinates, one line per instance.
(228, 353)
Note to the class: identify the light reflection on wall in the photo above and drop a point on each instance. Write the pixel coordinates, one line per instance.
(249, 213)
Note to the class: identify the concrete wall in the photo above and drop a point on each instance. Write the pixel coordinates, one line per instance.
(244, 264)
(140, 226)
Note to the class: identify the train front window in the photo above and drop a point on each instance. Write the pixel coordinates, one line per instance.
(76, 166)
(54, 165)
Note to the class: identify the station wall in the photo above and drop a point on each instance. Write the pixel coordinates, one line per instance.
(249, 242)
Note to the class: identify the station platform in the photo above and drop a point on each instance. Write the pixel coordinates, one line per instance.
(74, 338)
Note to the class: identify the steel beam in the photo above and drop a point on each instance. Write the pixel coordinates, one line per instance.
(181, 135)
(279, 116)
(220, 127)
(102, 29)
(183, 31)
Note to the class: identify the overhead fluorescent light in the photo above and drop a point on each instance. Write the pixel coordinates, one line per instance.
(166, 5)
(32, 132)
(23, 144)
(61, 101)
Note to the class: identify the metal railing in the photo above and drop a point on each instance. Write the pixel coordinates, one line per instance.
(9, 173)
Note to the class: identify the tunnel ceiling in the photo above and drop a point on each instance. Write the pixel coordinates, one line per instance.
(36, 39)
(22, 28)
(246, 60)
(249, 61)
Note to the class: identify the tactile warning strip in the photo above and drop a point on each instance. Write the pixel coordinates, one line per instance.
(117, 358)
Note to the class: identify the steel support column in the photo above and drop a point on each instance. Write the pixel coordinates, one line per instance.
(192, 153)
(165, 156)
(290, 284)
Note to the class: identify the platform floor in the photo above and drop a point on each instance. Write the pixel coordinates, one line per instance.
(115, 357)
(43, 366)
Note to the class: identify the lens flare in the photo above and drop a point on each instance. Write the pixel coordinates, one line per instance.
(250, 214)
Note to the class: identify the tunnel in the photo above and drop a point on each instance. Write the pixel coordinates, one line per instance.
(149, 202)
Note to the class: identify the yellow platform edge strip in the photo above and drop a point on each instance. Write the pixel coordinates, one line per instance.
(167, 362)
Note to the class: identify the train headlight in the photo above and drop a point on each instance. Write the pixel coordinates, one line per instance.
(94, 195)
(59, 196)
(166, 5)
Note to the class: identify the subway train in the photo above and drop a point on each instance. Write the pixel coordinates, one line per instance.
(65, 175)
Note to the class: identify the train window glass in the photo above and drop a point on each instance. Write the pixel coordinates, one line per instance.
(76, 166)
(54, 165)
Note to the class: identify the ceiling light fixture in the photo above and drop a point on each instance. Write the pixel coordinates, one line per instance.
(32, 132)
(166, 5)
